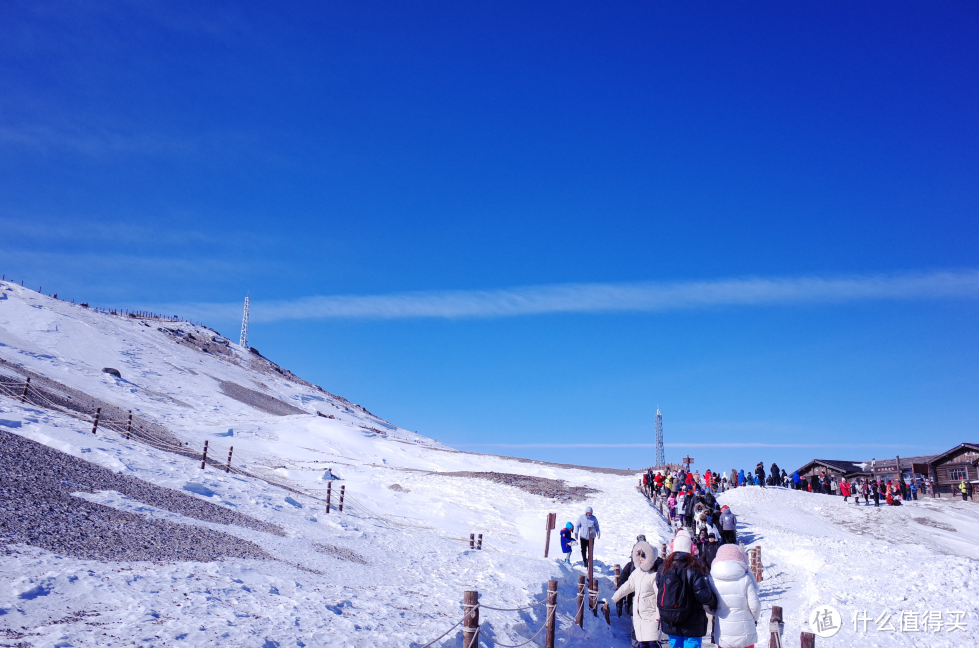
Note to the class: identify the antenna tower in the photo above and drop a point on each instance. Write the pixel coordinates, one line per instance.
(243, 340)
(660, 454)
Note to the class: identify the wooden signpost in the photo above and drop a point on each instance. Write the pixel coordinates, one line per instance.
(687, 461)
(549, 526)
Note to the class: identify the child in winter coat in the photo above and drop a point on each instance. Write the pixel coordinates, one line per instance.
(671, 504)
(738, 604)
(567, 540)
(680, 500)
(642, 583)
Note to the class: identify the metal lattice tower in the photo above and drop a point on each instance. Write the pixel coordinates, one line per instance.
(243, 340)
(660, 454)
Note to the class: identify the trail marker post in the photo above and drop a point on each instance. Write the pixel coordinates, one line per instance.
(129, 426)
(204, 456)
(227, 468)
(549, 526)
(472, 540)
(479, 542)
(775, 627)
(27, 385)
(551, 613)
(579, 615)
(343, 490)
(470, 625)
(95, 423)
(329, 494)
(687, 461)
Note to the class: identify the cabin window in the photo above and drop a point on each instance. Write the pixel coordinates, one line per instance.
(956, 474)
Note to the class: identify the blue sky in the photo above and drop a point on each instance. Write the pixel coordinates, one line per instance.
(519, 229)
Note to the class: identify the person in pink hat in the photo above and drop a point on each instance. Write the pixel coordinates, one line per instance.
(738, 604)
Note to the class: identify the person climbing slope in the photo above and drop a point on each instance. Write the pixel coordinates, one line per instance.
(585, 531)
(738, 603)
(567, 539)
(642, 583)
(682, 591)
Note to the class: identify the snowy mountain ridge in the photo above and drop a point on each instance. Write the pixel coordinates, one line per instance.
(128, 541)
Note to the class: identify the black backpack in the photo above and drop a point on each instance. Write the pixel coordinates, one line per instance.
(673, 598)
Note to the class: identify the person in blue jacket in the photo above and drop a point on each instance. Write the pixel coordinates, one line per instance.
(795, 480)
(741, 481)
(567, 539)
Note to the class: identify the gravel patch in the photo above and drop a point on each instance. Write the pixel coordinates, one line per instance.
(556, 489)
(258, 400)
(339, 552)
(37, 508)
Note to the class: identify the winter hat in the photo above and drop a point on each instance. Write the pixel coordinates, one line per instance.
(641, 538)
(588, 509)
(643, 556)
(681, 542)
(568, 526)
(726, 507)
(730, 552)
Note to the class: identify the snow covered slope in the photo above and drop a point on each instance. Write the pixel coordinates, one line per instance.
(390, 569)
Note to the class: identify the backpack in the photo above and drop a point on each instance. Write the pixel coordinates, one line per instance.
(674, 597)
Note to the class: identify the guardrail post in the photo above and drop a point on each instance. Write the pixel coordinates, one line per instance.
(343, 489)
(23, 396)
(204, 457)
(95, 423)
(227, 468)
(776, 626)
(129, 426)
(551, 613)
(579, 615)
(470, 624)
(329, 494)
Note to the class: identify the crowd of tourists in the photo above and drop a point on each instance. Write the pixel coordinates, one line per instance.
(669, 597)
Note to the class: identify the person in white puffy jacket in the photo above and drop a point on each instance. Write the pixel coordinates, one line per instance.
(738, 605)
(642, 582)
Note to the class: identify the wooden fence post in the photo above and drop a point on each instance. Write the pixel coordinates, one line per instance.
(472, 540)
(579, 615)
(776, 626)
(549, 526)
(23, 397)
(662, 550)
(551, 613)
(808, 640)
(479, 542)
(129, 426)
(343, 490)
(329, 494)
(95, 423)
(470, 624)
(227, 468)
(761, 574)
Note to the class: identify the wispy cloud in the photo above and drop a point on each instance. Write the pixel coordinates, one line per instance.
(608, 297)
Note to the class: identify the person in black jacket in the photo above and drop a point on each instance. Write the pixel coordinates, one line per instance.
(760, 473)
(689, 503)
(776, 474)
(682, 592)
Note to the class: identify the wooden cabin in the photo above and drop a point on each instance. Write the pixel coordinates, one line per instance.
(950, 468)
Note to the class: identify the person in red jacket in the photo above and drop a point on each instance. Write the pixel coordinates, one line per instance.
(844, 488)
